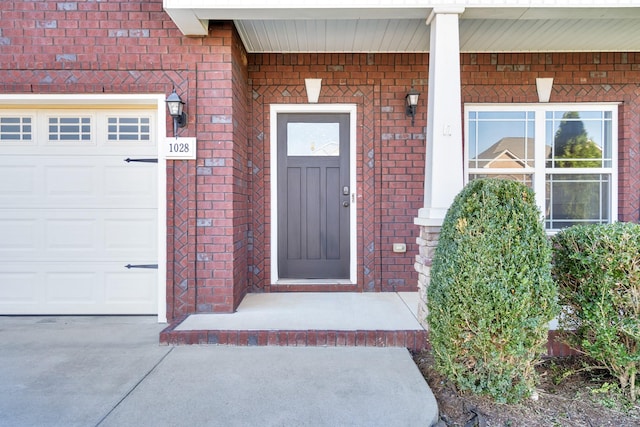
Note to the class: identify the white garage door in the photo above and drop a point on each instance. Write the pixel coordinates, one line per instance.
(74, 213)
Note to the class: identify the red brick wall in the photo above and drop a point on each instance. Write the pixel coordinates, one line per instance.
(222, 176)
(390, 154)
(111, 47)
(578, 77)
(133, 47)
(392, 171)
(218, 206)
(241, 165)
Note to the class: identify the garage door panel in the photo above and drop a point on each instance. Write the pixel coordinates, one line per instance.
(134, 236)
(69, 236)
(66, 182)
(19, 235)
(129, 287)
(81, 288)
(17, 181)
(133, 184)
(71, 287)
(18, 287)
(78, 235)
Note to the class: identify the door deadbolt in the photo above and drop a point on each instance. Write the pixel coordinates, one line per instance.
(345, 190)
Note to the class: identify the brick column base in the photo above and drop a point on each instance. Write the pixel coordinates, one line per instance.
(427, 243)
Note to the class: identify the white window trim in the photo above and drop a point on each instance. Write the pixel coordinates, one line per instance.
(21, 141)
(539, 171)
(124, 101)
(351, 109)
(126, 115)
(91, 141)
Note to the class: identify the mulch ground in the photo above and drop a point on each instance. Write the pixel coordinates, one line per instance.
(568, 395)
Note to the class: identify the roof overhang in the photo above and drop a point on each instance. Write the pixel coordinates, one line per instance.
(400, 25)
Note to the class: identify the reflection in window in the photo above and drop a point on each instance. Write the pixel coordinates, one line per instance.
(578, 139)
(501, 140)
(581, 139)
(313, 139)
(577, 199)
(575, 164)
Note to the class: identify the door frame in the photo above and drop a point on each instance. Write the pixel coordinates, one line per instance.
(352, 110)
(153, 100)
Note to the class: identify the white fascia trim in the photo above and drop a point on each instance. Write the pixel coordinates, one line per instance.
(352, 110)
(188, 22)
(385, 4)
(156, 101)
(444, 11)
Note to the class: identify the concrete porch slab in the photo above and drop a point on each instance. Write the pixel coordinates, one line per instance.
(308, 319)
(338, 311)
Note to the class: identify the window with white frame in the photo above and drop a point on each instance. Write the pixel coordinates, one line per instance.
(131, 128)
(16, 128)
(69, 128)
(567, 153)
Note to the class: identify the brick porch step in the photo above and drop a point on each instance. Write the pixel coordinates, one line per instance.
(413, 340)
(308, 319)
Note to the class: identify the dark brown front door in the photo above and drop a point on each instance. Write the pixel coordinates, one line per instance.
(314, 197)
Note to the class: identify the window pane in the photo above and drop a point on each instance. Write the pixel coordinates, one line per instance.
(579, 139)
(577, 199)
(313, 139)
(501, 139)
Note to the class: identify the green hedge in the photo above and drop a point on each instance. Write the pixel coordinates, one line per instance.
(598, 270)
(491, 294)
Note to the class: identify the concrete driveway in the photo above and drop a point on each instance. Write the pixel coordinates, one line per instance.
(110, 371)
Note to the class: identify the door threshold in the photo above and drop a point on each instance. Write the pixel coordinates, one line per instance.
(313, 282)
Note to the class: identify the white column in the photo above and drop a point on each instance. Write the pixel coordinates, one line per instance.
(443, 167)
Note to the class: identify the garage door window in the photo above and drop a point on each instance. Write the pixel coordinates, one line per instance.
(129, 128)
(69, 128)
(14, 129)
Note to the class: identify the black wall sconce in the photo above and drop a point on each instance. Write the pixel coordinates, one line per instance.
(412, 102)
(176, 106)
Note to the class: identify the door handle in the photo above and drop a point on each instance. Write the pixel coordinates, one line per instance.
(345, 204)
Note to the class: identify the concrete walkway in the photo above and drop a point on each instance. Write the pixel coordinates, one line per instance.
(110, 371)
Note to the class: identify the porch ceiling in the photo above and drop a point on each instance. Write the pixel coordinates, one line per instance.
(399, 26)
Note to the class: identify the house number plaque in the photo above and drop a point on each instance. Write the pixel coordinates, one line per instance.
(180, 148)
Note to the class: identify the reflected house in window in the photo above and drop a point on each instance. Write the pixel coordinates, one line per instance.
(508, 153)
(570, 198)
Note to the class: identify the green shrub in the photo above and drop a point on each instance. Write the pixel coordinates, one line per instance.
(597, 268)
(491, 295)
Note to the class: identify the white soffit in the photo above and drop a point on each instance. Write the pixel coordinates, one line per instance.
(399, 26)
